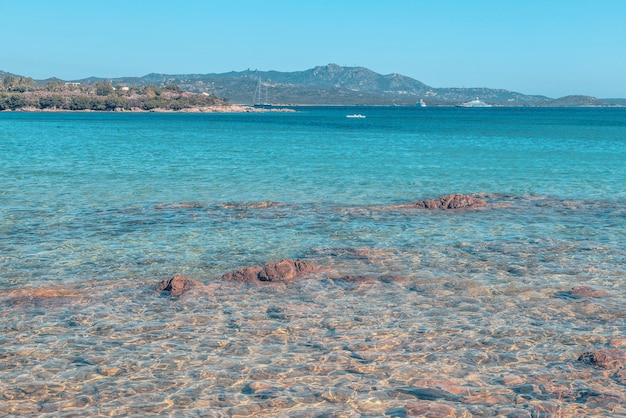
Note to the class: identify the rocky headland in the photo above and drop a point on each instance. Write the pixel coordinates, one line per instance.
(325, 85)
(23, 95)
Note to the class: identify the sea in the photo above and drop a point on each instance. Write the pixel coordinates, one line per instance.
(514, 309)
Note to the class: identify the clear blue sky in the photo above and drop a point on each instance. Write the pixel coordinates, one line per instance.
(549, 47)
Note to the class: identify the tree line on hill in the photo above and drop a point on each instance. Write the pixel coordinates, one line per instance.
(18, 93)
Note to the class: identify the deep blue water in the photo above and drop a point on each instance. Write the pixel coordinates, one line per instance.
(109, 204)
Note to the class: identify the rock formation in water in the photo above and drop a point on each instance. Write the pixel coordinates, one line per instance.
(452, 201)
(283, 271)
(448, 202)
(606, 358)
(176, 285)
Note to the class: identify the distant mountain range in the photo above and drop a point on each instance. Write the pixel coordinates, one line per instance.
(336, 85)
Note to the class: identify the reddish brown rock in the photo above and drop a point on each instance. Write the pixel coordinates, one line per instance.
(452, 201)
(618, 342)
(430, 409)
(283, 271)
(40, 294)
(588, 292)
(176, 285)
(606, 358)
(582, 292)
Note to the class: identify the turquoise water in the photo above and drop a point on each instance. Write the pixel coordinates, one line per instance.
(472, 304)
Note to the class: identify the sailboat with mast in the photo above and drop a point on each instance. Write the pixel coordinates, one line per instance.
(260, 96)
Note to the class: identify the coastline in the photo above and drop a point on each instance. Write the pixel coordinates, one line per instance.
(198, 109)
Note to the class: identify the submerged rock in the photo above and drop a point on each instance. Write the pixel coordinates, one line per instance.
(606, 358)
(181, 205)
(283, 271)
(357, 279)
(432, 409)
(40, 294)
(428, 394)
(589, 292)
(582, 292)
(176, 285)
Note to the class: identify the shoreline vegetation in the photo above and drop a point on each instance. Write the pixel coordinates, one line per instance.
(20, 94)
(24, 94)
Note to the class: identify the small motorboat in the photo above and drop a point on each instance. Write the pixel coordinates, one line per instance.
(356, 116)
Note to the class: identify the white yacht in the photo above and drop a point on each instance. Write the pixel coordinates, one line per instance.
(474, 103)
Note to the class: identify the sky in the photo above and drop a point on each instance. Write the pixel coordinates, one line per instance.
(548, 47)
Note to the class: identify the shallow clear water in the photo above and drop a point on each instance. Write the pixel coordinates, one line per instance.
(454, 312)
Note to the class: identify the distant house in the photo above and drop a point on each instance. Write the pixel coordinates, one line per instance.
(72, 83)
